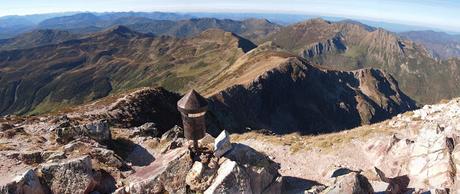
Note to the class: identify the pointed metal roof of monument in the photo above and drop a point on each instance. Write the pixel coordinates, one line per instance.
(192, 102)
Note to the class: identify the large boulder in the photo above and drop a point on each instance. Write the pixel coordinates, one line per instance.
(74, 176)
(262, 171)
(27, 183)
(231, 178)
(166, 174)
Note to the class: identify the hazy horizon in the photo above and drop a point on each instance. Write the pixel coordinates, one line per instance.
(427, 13)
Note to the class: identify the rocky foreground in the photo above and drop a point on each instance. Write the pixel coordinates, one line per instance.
(414, 152)
(131, 145)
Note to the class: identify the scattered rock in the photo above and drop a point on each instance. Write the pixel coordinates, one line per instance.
(200, 177)
(52, 156)
(147, 129)
(207, 142)
(72, 176)
(24, 184)
(173, 144)
(74, 145)
(316, 189)
(30, 158)
(107, 157)
(67, 134)
(98, 131)
(222, 144)
(5, 126)
(60, 122)
(353, 182)
(173, 133)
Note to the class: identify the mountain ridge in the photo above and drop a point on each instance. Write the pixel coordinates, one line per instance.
(327, 100)
(346, 46)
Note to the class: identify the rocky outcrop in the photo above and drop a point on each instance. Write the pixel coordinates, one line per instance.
(146, 105)
(424, 152)
(332, 45)
(97, 130)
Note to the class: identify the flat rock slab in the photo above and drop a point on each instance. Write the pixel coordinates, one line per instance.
(166, 173)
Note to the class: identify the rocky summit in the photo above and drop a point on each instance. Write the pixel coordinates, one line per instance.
(126, 146)
(108, 147)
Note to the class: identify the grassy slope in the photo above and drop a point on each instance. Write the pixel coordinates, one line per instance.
(74, 72)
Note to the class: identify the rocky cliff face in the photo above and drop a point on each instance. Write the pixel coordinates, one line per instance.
(294, 96)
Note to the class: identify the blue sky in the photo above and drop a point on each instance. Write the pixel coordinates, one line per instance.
(443, 14)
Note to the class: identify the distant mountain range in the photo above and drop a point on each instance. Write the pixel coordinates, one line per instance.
(11, 26)
(441, 44)
(69, 27)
